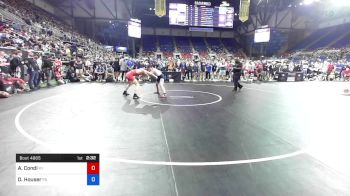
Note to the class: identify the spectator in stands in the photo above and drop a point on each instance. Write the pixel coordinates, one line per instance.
(208, 70)
(33, 71)
(271, 71)
(4, 94)
(87, 63)
(123, 68)
(222, 70)
(71, 74)
(16, 65)
(68, 51)
(339, 68)
(79, 67)
(183, 67)
(109, 73)
(346, 74)
(39, 62)
(88, 76)
(196, 70)
(330, 69)
(116, 69)
(130, 63)
(171, 65)
(47, 69)
(57, 70)
(215, 69)
(4, 63)
(202, 70)
(229, 68)
(259, 69)
(100, 72)
(19, 84)
(189, 70)
(5, 84)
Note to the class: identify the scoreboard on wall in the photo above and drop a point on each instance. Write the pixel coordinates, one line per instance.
(262, 35)
(201, 15)
(55, 169)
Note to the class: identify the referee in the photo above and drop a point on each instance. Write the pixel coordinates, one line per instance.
(237, 72)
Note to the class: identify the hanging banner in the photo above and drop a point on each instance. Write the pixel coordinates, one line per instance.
(244, 10)
(160, 7)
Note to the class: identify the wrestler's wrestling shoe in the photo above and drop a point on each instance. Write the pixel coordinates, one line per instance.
(125, 93)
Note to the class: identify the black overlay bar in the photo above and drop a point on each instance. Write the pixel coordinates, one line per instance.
(57, 157)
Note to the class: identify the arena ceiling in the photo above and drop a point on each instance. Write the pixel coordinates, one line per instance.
(143, 9)
(102, 13)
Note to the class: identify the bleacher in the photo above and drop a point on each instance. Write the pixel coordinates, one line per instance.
(335, 33)
(168, 54)
(149, 43)
(7, 15)
(45, 37)
(204, 55)
(277, 41)
(335, 37)
(343, 42)
(186, 46)
(309, 39)
(166, 44)
(183, 44)
(215, 45)
(230, 44)
(199, 44)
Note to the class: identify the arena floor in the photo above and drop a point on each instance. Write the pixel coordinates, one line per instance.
(269, 139)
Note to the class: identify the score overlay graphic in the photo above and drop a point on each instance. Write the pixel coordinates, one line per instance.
(51, 169)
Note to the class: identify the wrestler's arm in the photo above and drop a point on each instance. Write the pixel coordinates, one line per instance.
(149, 74)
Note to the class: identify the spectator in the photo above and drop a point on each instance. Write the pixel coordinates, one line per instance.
(346, 74)
(208, 70)
(196, 70)
(116, 69)
(330, 69)
(222, 70)
(171, 65)
(19, 84)
(16, 66)
(57, 70)
(229, 68)
(4, 94)
(182, 66)
(39, 62)
(130, 64)
(71, 74)
(33, 71)
(87, 76)
(109, 74)
(202, 71)
(79, 66)
(100, 71)
(47, 69)
(4, 64)
(123, 67)
(189, 71)
(215, 69)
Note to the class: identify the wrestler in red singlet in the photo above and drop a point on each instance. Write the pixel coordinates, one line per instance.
(130, 76)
